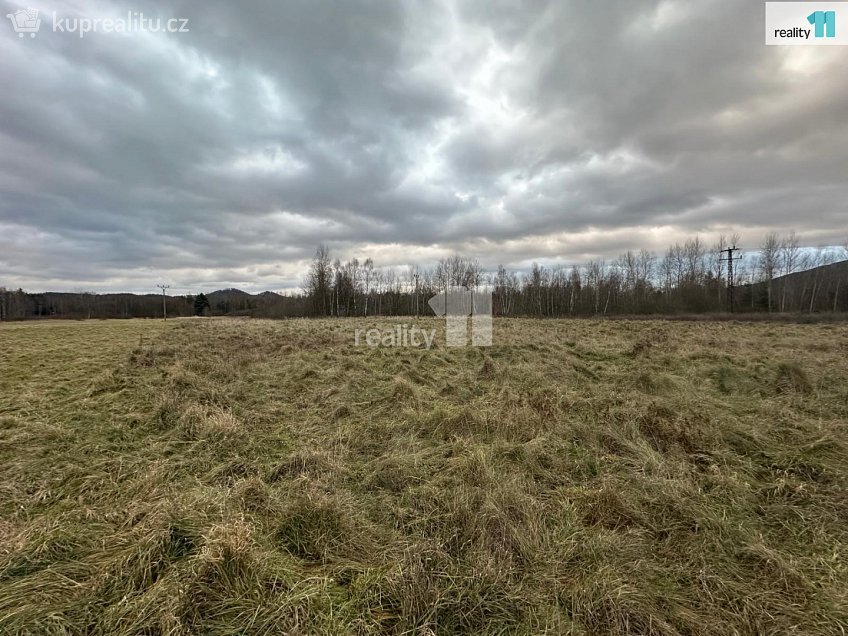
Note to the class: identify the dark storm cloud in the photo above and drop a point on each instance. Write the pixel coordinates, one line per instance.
(508, 130)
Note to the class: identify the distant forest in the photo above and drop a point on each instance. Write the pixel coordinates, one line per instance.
(689, 278)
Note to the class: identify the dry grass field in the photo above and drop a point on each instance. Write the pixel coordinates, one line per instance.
(579, 477)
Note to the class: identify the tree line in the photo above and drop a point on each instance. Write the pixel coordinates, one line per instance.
(780, 276)
(21, 305)
(689, 277)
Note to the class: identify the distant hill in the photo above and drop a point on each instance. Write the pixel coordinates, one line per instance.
(822, 288)
(229, 301)
(832, 270)
(19, 305)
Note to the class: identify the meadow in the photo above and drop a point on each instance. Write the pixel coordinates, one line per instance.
(237, 476)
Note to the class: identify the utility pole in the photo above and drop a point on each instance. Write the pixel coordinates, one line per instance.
(729, 259)
(164, 306)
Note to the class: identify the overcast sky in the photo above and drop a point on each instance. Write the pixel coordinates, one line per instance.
(405, 131)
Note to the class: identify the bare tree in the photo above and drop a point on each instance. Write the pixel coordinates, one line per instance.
(679, 263)
(695, 256)
(813, 262)
(595, 275)
(718, 261)
(318, 281)
(458, 271)
(769, 254)
(354, 283)
(838, 274)
(368, 273)
(505, 284)
(667, 268)
(628, 265)
(790, 254)
(575, 284)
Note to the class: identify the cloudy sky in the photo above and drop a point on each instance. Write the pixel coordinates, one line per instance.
(405, 131)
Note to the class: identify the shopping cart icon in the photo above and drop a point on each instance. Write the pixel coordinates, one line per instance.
(25, 21)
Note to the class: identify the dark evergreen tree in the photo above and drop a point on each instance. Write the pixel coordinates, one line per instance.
(201, 304)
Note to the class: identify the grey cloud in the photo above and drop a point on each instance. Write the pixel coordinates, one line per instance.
(232, 150)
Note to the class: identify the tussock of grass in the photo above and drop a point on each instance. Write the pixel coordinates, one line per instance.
(308, 463)
(666, 430)
(394, 473)
(254, 495)
(607, 508)
(488, 370)
(201, 422)
(579, 477)
(404, 391)
(726, 378)
(791, 378)
(320, 528)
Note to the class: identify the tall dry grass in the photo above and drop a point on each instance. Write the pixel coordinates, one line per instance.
(254, 477)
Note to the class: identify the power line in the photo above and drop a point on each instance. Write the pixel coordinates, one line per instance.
(731, 283)
(164, 306)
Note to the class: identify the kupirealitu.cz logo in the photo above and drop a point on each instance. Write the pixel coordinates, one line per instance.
(28, 22)
(806, 23)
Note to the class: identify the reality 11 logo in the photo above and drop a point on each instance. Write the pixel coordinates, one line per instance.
(825, 22)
